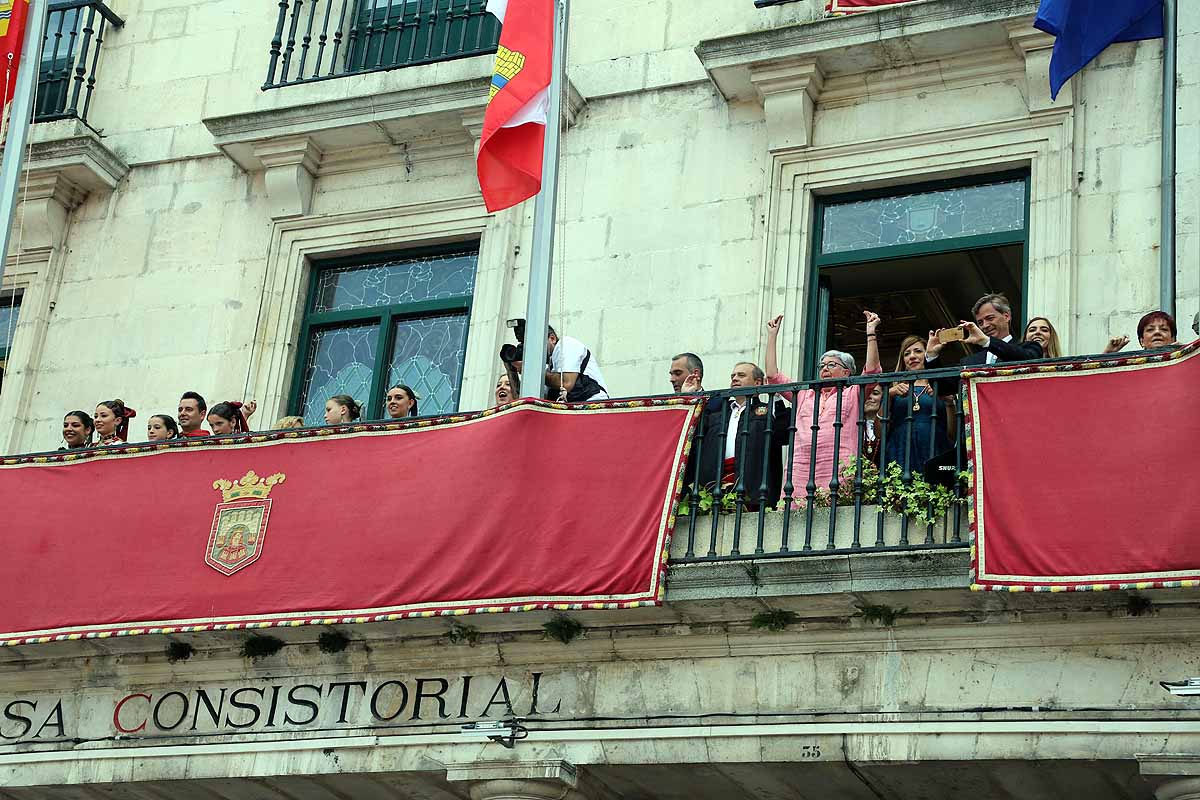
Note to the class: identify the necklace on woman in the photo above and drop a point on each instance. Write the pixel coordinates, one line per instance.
(917, 392)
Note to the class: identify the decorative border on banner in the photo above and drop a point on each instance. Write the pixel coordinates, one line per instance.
(1081, 583)
(653, 597)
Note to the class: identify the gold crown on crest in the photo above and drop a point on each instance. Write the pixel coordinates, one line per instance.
(250, 485)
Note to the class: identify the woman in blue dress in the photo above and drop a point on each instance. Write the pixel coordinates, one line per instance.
(929, 420)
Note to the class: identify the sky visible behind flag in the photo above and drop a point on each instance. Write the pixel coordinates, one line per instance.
(1082, 29)
(514, 126)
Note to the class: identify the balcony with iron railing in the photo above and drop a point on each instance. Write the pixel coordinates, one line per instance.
(71, 50)
(317, 40)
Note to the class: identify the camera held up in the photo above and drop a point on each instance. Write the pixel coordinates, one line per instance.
(510, 353)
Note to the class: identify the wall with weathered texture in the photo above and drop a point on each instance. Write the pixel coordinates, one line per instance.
(666, 199)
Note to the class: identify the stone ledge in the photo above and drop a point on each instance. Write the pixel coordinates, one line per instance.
(67, 161)
(77, 152)
(863, 42)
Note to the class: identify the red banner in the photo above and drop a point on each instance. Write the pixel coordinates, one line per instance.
(1082, 474)
(851, 6)
(533, 505)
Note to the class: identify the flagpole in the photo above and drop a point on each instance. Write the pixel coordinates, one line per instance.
(537, 314)
(1166, 264)
(19, 122)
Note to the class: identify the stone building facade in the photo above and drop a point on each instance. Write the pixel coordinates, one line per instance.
(723, 163)
(170, 243)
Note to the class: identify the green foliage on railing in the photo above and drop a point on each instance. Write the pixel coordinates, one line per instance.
(917, 498)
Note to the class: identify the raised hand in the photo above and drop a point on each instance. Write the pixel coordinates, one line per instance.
(249, 408)
(934, 345)
(872, 321)
(691, 384)
(773, 325)
(1115, 343)
(974, 334)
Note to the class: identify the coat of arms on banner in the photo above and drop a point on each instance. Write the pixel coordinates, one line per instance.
(239, 525)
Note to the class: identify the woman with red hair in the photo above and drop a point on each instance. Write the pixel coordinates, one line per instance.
(1156, 329)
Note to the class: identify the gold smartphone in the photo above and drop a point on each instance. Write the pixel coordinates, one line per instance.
(947, 335)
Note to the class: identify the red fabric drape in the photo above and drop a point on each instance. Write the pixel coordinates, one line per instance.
(532, 506)
(1083, 474)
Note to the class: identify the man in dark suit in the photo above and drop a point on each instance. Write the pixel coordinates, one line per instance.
(737, 437)
(991, 331)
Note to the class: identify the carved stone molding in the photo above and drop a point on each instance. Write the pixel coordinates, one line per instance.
(518, 780)
(290, 166)
(67, 162)
(786, 69)
(1035, 48)
(789, 90)
(307, 133)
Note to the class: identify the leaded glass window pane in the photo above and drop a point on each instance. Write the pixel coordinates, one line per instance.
(923, 217)
(396, 282)
(10, 307)
(340, 361)
(428, 357)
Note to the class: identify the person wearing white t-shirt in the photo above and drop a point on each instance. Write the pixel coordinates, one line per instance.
(570, 359)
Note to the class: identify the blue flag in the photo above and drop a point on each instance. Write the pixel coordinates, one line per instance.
(1083, 28)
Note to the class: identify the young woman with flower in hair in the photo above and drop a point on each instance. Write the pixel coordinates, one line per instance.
(112, 422)
(227, 417)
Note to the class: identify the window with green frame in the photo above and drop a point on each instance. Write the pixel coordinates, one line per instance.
(394, 33)
(919, 256)
(373, 323)
(10, 309)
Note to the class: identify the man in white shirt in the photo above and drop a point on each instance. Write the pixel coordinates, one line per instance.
(574, 370)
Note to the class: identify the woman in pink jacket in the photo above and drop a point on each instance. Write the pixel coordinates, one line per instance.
(833, 364)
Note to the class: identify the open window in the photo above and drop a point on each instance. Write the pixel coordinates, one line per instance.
(919, 256)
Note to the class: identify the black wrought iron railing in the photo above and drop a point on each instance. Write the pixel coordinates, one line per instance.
(75, 31)
(322, 39)
(786, 475)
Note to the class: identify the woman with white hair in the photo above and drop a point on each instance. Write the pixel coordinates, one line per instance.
(833, 364)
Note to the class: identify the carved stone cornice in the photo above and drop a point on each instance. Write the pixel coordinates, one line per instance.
(67, 161)
(786, 68)
(316, 134)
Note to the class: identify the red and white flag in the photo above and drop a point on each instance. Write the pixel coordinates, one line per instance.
(12, 37)
(514, 125)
